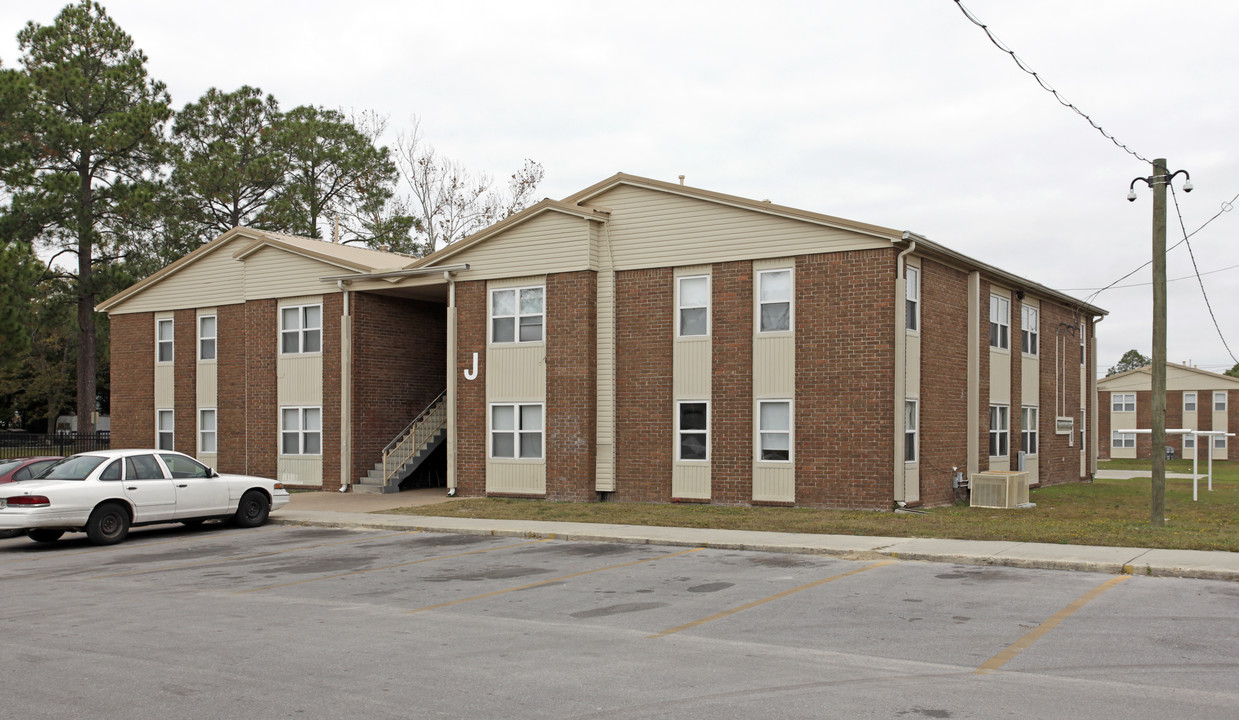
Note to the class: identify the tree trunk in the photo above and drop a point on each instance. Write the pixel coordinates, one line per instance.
(85, 305)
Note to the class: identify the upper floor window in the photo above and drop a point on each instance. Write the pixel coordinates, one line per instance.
(1122, 402)
(1029, 324)
(1189, 402)
(693, 304)
(163, 340)
(206, 337)
(912, 297)
(999, 322)
(1219, 401)
(517, 314)
(301, 329)
(1083, 343)
(775, 300)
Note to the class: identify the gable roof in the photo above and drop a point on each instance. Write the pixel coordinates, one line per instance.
(356, 259)
(1139, 375)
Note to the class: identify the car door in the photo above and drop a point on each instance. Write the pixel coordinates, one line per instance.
(197, 493)
(147, 488)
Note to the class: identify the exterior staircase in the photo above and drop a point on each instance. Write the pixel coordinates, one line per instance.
(410, 448)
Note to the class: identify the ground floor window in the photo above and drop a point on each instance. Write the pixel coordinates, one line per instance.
(1123, 440)
(1219, 442)
(206, 430)
(693, 430)
(910, 424)
(516, 430)
(774, 426)
(1028, 430)
(999, 431)
(165, 424)
(1189, 442)
(301, 431)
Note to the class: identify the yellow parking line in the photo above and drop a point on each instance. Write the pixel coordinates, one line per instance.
(755, 603)
(548, 582)
(1035, 634)
(386, 567)
(248, 557)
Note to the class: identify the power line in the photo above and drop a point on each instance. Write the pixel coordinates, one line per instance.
(1044, 85)
(1146, 284)
(1192, 254)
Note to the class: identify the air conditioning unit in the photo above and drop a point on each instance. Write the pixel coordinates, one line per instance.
(999, 489)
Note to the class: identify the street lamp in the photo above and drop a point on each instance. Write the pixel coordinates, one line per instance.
(1158, 182)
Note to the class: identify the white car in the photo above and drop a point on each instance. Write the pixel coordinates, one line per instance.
(105, 493)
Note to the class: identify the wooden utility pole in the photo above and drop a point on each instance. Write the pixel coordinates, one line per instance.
(1159, 180)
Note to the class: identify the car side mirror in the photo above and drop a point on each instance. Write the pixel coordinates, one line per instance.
(211, 473)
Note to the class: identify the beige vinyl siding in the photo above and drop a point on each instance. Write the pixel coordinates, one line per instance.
(692, 360)
(516, 372)
(216, 279)
(299, 383)
(274, 273)
(1000, 378)
(207, 392)
(912, 391)
(659, 229)
(300, 470)
(165, 373)
(1121, 421)
(774, 366)
(520, 477)
(604, 473)
(774, 378)
(550, 243)
(1030, 395)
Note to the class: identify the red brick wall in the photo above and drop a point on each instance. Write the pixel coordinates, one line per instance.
(399, 356)
(185, 381)
(333, 306)
(944, 380)
(571, 385)
(644, 320)
(262, 411)
(471, 313)
(731, 406)
(231, 416)
(845, 351)
(1103, 425)
(1174, 418)
(983, 379)
(1058, 459)
(133, 380)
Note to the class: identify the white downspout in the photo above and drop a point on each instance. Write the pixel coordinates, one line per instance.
(901, 370)
(451, 383)
(346, 392)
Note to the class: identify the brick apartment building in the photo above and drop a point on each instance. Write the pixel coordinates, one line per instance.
(637, 341)
(1195, 400)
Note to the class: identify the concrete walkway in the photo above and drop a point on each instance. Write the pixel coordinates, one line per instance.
(352, 510)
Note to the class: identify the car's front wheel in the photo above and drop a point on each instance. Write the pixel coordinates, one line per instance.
(108, 524)
(40, 535)
(252, 510)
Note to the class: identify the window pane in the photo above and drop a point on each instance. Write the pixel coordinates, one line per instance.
(531, 301)
(771, 452)
(531, 417)
(166, 419)
(165, 352)
(692, 416)
(503, 417)
(912, 278)
(694, 292)
(313, 316)
(208, 442)
(503, 302)
(208, 349)
(290, 342)
(313, 443)
(503, 445)
(776, 441)
(910, 313)
(531, 328)
(909, 447)
(312, 419)
(290, 443)
(692, 446)
(774, 416)
(503, 330)
(531, 445)
(693, 321)
(290, 319)
(312, 341)
(206, 326)
(111, 472)
(165, 329)
(776, 316)
(165, 441)
(776, 286)
(909, 415)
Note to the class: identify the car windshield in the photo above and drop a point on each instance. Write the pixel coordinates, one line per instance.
(75, 467)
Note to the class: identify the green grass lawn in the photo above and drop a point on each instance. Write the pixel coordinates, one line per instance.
(1105, 512)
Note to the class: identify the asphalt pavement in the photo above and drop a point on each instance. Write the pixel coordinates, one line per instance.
(357, 510)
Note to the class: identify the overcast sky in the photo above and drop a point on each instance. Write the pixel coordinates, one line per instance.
(899, 113)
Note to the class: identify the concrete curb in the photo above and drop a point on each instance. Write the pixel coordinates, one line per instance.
(1196, 564)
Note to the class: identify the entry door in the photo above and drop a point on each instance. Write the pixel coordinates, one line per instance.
(148, 489)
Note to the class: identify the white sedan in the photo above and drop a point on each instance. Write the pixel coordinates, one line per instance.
(105, 493)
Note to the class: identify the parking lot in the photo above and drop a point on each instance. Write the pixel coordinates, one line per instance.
(285, 621)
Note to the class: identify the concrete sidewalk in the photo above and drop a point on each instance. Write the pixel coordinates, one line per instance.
(350, 510)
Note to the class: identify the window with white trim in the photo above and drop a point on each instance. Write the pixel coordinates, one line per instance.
(206, 431)
(301, 329)
(165, 429)
(1219, 442)
(516, 430)
(999, 322)
(774, 294)
(163, 340)
(1028, 429)
(911, 423)
(206, 337)
(692, 305)
(999, 431)
(301, 431)
(1189, 402)
(1122, 402)
(1122, 440)
(1189, 442)
(517, 314)
(1030, 319)
(692, 427)
(1219, 401)
(912, 298)
(774, 430)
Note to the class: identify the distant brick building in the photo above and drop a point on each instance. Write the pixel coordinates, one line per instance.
(638, 340)
(1195, 400)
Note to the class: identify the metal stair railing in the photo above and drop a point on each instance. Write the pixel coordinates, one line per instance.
(414, 436)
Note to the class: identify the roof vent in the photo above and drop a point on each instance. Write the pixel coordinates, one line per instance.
(681, 179)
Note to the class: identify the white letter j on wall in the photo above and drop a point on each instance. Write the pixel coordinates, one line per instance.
(473, 374)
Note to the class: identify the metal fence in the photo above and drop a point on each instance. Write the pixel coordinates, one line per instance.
(20, 444)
